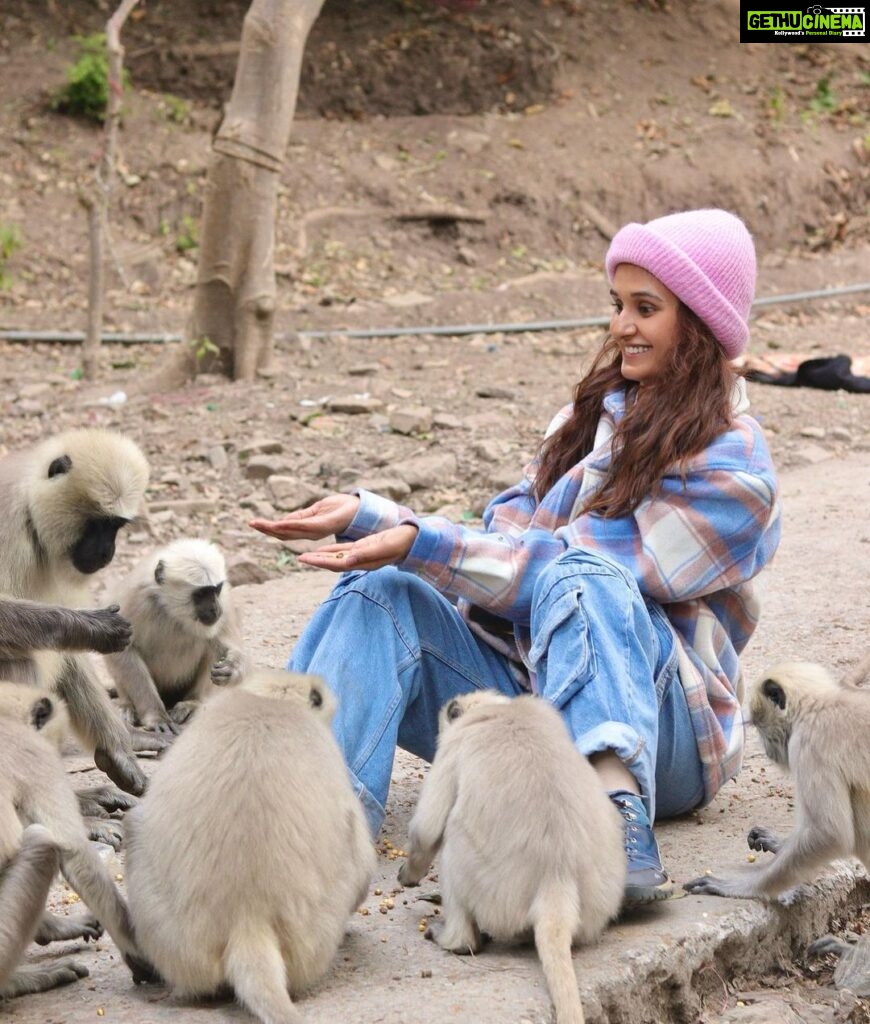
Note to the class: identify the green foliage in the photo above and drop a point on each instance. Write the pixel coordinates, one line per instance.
(186, 239)
(203, 347)
(10, 241)
(174, 109)
(776, 105)
(824, 101)
(86, 93)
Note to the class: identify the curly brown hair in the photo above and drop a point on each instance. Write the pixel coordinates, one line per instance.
(665, 423)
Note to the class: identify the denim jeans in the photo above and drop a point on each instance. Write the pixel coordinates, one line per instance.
(394, 651)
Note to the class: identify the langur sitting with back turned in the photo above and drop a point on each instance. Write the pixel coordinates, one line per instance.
(529, 839)
(818, 729)
(62, 504)
(249, 851)
(41, 830)
(185, 635)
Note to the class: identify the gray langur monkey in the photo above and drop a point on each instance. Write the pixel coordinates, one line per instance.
(62, 503)
(249, 851)
(185, 635)
(529, 839)
(26, 626)
(41, 831)
(817, 729)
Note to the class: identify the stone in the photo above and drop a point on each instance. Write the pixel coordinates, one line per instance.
(411, 419)
(218, 457)
(289, 493)
(490, 449)
(389, 487)
(33, 390)
(260, 446)
(816, 432)
(407, 299)
(810, 454)
(490, 392)
(363, 369)
(181, 506)
(469, 142)
(431, 470)
(841, 434)
(242, 570)
(445, 421)
(261, 467)
(355, 405)
(504, 477)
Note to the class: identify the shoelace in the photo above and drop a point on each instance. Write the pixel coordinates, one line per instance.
(632, 831)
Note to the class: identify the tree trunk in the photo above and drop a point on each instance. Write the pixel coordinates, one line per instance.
(96, 202)
(234, 308)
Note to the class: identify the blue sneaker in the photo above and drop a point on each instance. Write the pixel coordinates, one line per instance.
(646, 881)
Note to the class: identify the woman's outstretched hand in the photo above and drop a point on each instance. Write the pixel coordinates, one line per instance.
(372, 552)
(332, 515)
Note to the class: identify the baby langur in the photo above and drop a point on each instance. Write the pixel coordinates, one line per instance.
(249, 851)
(62, 504)
(818, 730)
(529, 839)
(185, 634)
(41, 829)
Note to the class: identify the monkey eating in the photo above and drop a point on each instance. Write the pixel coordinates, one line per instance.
(817, 729)
(62, 503)
(250, 850)
(185, 635)
(529, 839)
(41, 830)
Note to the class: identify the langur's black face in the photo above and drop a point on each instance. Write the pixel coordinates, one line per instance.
(95, 548)
(207, 605)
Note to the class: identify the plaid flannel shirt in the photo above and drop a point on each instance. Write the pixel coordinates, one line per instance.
(694, 548)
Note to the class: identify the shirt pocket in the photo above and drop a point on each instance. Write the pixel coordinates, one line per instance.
(563, 672)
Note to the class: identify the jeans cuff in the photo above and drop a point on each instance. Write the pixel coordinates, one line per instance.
(374, 811)
(630, 748)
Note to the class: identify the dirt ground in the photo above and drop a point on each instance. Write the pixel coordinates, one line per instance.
(543, 122)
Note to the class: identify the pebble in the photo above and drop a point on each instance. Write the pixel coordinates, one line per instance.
(810, 454)
(290, 493)
(427, 470)
(261, 446)
(261, 467)
(354, 405)
(390, 487)
(411, 419)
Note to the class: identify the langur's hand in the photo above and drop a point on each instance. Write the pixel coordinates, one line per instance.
(227, 671)
(372, 552)
(122, 769)
(109, 631)
(332, 515)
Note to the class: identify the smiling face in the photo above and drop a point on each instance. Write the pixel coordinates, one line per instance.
(644, 322)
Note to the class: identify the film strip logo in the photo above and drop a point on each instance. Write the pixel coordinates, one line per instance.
(844, 10)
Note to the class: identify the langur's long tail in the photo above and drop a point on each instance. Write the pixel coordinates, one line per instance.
(555, 916)
(255, 968)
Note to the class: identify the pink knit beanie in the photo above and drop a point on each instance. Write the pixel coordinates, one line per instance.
(706, 258)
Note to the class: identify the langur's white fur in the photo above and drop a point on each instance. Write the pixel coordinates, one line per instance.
(529, 838)
(62, 503)
(249, 851)
(818, 729)
(178, 656)
(41, 829)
